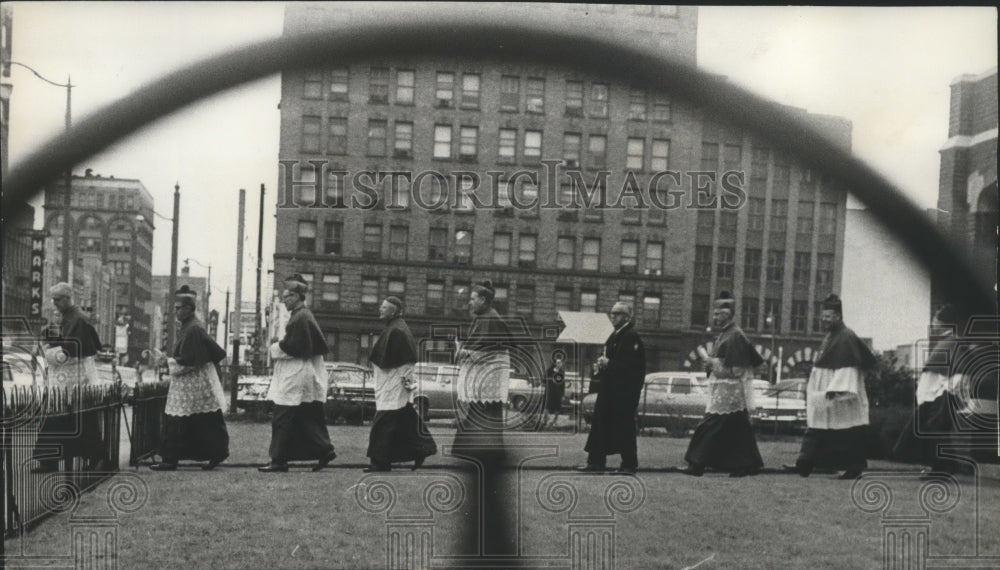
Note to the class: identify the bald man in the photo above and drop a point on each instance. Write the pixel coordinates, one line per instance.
(622, 369)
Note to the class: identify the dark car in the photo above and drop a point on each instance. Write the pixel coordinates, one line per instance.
(672, 400)
(351, 395)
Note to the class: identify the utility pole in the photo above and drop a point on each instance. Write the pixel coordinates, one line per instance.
(258, 332)
(69, 186)
(171, 317)
(239, 294)
(225, 335)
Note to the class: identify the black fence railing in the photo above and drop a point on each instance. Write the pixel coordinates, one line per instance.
(149, 399)
(76, 433)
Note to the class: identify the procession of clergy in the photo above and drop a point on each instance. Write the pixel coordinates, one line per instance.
(837, 406)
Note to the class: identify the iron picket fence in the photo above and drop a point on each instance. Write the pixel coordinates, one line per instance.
(57, 423)
(149, 399)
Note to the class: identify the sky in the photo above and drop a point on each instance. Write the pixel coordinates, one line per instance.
(887, 70)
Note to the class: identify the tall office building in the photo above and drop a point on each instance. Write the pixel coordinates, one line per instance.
(445, 121)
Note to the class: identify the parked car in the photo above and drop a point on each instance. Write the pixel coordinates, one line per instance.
(783, 406)
(351, 395)
(20, 368)
(435, 396)
(673, 400)
(251, 393)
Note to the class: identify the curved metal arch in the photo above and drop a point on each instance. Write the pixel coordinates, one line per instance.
(519, 40)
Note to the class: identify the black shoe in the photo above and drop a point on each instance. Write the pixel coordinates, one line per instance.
(325, 461)
(163, 467)
(850, 474)
(377, 469)
(801, 470)
(741, 473)
(274, 468)
(417, 463)
(627, 470)
(692, 470)
(212, 464)
(588, 468)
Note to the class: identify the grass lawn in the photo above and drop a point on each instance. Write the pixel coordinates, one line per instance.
(235, 517)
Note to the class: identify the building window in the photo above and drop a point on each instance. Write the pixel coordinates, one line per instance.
(772, 310)
(313, 87)
(748, 313)
(654, 258)
(464, 194)
(571, 150)
(779, 215)
(597, 156)
(307, 237)
(525, 302)
(727, 261)
(529, 195)
(331, 289)
(637, 104)
(588, 301)
(703, 261)
(507, 151)
(470, 91)
(627, 298)
(800, 273)
(125, 246)
(369, 294)
(574, 98)
(460, 292)
(333, 242)
(752, 264)
(805, 223)
(377, 134)
(755, 218)
(758, 162)
(706, 220)
(468, 143)
(728, 220)
(659, 159)
(635, 153)
(310, 134)
(800, 315)
(339, 81)
(437, 244)
(397, 287)
(442, 141)
(334, 189)
(710, 157)
(599, 100)
(827, 219)
(535, 96)
(782, 171)
(732, 158)
(435, 297)
(307, 189)
(510, 93)
(501, 249)
(699, 310)
(651, 310)
(630, 256)
(336, 142)
(378, 85)
(661, 108)
(824, 269)
(591, 254)
(405, 83)
(532, 145)
(399, 241)
(564, 299)
(403, 140)
(527, 245)
(372, 245)
(89, 245)
(463, 247)
(775, 266)
(817, 317)
(501, 299)
(565, 252)
(444, 90)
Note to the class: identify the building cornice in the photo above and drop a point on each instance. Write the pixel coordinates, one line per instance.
(966, 141)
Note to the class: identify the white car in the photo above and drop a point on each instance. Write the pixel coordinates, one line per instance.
(782, 406)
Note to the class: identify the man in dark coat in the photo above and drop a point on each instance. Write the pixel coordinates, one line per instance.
(836, 401)
(195, 426)
(724, 439)
(70, 359)
(398, 434)
(623, 372)
(298, 387)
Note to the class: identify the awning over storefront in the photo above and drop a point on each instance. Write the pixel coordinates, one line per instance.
(585, 328)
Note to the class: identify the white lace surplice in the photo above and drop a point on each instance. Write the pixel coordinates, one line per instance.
(484, 377)
(389, 391)
(296, 380)
(194, 390)
(730, 390)
(845, 410)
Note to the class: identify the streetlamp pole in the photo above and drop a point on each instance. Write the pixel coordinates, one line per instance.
(172, 325)
(208, 288)
(770, 365)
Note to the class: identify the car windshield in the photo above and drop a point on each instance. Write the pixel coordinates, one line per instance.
(787, 390)
(342, 377)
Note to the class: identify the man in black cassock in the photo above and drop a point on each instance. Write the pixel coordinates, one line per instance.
(70, 359)
(724, 439)
(195, 426)
(298, 387)
(623, 372)
(836, 401)
(398, 434)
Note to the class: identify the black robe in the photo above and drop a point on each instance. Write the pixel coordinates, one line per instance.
(395, 346)
(76, 336)
(841, 348)
(303, 337)
(613, 429)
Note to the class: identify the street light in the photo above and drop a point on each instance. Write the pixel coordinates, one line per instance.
(69, 171)
(208, 288)
(769, 321)
(171, 324)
